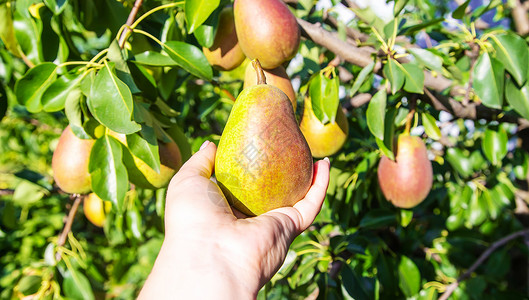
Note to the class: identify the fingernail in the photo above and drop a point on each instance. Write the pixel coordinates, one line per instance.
(204, 145)
(327, 160)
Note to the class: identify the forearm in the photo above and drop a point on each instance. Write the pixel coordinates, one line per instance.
(183, 274)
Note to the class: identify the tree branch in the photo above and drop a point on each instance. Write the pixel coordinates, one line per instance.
(68, 224)
(451, 288)
(130, 21)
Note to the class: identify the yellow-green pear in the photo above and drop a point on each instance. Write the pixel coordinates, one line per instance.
(263, 161)
(324, 140)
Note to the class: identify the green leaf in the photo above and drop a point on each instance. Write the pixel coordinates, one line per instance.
(494, 145)
(144, 150)
(359, 80)
(152, 58)
(375, 114)
(427, 58)
(27, 193)
(511, 51)
(121, 68)
(29, 285)
(352, 284)
(517, 98)
(414, 78)
(399, 5)
(430, 126)
(394, 74)
(55, 95)
(406, 216)
(110, 102)
(477, 211)
(378, 218)
(409, 277)
(189, 58)
(28, 35)
(74, 113)
(107, 171)
(3, 101)
(134, 221)
(459, 13)
(76, 285)
(459, 161)
(31, 86)
(205, 33)
(324, 98)
(56, 6)
(197, 11)
(386, 145)
(7, 32)
(488, 81)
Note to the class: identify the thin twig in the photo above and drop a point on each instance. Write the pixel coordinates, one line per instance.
(453, 286)
(130, 20)
(68, 224)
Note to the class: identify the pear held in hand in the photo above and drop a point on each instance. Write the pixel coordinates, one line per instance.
(277, 77)
(263, 161)
(324, 140)
(406, 181)
(70, 163)
(225, 54)
(267, 30)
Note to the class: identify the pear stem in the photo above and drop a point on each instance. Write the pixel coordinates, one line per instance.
(261, 78)
(409, 118)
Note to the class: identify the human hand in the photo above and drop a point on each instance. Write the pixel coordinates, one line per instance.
(213, 251)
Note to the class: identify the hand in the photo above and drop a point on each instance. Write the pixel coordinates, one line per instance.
(213, 251)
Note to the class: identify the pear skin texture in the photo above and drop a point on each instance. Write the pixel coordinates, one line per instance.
(95, 209)
(324, 140)
(70, 163)
(225, 54)
(267, 30)
(263, 161)
(407, 181)
(141, 175)
(277, 77)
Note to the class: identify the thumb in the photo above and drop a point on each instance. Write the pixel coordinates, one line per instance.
(200, 164)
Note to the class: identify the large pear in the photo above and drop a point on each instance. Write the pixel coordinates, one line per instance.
(406, 181)
(225, 54)
(267, 30)
(70, 163)
(263, 161)
(324, 140)
(277, 77)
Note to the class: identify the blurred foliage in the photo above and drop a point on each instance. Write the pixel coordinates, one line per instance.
(360, 246)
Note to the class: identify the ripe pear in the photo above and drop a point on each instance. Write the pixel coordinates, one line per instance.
(225, 54)
(324, 140)
(95, 209)
(144, 176)
(406, 181)
(277, 77)
(263, 161)
(267, 30)
(70, 163)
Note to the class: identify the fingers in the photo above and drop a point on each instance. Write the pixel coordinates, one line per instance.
(201, 163)
(310, 206)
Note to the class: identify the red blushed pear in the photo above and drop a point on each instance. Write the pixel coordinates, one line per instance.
(267, 30)
(263, 161)
(225, 54)
(406, 181)
(277, 77)
(70, 163)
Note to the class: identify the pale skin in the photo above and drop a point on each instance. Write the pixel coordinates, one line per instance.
(212, 251)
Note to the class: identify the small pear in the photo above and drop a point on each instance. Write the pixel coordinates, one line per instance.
(406, 181)
(267, 30)
(70, 163)
(225, 54)
(263, 161)
(95, 209)
(324, 140)
(277, 77)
